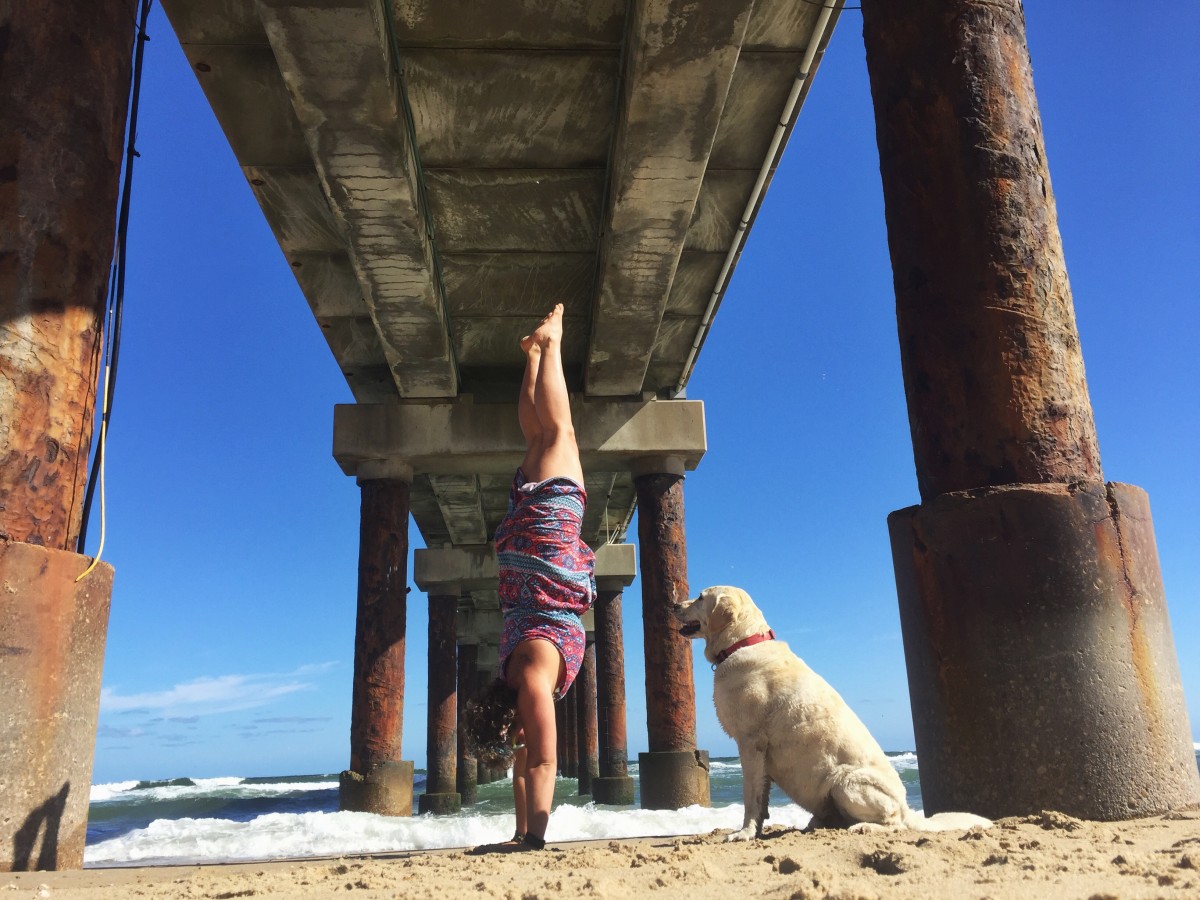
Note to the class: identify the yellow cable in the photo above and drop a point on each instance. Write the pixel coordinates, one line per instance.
(100, 449)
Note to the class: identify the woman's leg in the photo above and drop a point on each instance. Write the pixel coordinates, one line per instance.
(555, 452)
(531, 425)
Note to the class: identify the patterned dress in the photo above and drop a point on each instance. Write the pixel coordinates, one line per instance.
(547, 571)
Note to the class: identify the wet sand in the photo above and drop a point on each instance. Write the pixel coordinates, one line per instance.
(1047, 855)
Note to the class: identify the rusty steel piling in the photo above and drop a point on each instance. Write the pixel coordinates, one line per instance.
(378, 780)
(674, 773)
(1041, 665)
(442, 713)
(613, 784)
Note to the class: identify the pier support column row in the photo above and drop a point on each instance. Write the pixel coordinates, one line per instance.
(1041, 665)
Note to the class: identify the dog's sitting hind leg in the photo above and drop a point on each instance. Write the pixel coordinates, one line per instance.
(756, 788)
(867, 801)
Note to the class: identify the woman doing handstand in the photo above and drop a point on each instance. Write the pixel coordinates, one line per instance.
(547, 581)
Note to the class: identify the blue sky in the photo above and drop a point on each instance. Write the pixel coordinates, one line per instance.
(234, 534)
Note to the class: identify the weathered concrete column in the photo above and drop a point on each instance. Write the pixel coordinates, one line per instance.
(48, 723)
(1041, 665)
(441, 764)
(466, 776)
(378, 780)
(615, 570)
(62, 127)
(674, 773)
(588, 749)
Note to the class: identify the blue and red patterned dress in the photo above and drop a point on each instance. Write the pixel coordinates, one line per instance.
(547, 571)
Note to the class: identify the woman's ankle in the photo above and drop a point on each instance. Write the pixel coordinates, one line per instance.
(537, 843)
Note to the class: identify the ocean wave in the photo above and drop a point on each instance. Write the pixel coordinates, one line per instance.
(902, 762)
(276, 835)
(102, 792)
(186, 788)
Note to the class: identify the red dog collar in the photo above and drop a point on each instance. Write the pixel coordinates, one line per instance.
(744, 642)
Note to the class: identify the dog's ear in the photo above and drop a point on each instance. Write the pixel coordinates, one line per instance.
(722, 614)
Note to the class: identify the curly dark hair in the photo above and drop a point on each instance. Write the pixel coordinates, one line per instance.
(488, 721)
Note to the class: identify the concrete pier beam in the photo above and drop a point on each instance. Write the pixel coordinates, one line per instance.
(441, 764)
(466, 776)
(588, 750)
(378, 780)
(1017, 544)
(674, 773)
(615, 570)
(52, 634)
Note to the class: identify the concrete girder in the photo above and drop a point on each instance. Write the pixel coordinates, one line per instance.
(459, 500)
(474, 568)
(337, 65)
(459, 436)
(236, 67)
(466, 454)
(679, 62)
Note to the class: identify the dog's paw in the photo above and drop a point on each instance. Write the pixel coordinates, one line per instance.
(749, 833)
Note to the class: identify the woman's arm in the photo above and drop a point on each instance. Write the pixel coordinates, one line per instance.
(534, 670)
(519, 760)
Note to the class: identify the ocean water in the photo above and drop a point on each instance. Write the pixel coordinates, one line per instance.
(226, 819)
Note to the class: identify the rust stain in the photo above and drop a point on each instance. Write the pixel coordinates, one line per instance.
(1141, 653)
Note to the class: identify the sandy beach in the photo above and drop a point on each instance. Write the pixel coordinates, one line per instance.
(1039, 856)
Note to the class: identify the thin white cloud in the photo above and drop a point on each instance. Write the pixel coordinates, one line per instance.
(211, 694)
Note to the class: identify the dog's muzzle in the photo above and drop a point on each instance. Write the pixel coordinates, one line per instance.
(689, 627)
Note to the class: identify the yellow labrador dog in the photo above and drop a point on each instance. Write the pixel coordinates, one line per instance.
(793, 729)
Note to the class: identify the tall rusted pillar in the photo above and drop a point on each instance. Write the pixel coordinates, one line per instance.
(589, 762)
(378, 780)
(466, 779)
(442, 719)
(1041, 664)
(613, 784)
(674, 773)
(64, 90)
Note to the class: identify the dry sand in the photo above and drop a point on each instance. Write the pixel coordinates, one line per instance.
(1047, 855)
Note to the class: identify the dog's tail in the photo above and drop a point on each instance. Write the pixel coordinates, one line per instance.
(947, 821)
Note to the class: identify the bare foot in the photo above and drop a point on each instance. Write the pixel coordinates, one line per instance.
(549, 329)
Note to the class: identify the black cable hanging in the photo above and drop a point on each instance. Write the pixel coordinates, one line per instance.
(115, 304)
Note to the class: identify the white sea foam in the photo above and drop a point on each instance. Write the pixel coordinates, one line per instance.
(902, 762)
(332, 834)
(101, 792)
(212, 784)
(715, 765)
(224, 787)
